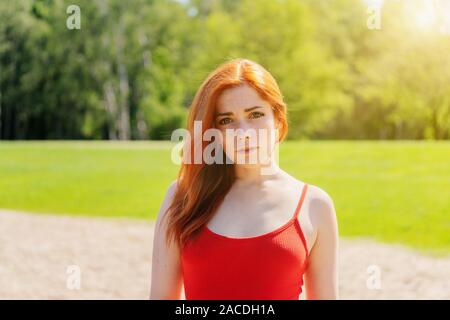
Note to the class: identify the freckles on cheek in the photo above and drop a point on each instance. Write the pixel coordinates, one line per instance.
(228, 143)
(270, 121)
(266, 122)
(223, 138)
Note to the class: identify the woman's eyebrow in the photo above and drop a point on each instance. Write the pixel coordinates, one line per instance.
(230, 113)
(252, 108)
(224, 114)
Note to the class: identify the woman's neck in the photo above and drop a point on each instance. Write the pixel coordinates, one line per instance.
(256, 173)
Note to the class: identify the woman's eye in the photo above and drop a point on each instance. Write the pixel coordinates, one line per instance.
(256, 114)
(225, 121)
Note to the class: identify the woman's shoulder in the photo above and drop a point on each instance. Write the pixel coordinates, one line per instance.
(313, 190)
(319, 202)
(319, 195)
(172, 188)
(168, 197)
(320, 206)
(170, 192)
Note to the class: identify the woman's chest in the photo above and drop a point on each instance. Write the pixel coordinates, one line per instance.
(243, 215)
(251, 216)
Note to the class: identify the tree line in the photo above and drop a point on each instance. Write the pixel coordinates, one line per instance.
(132, 68)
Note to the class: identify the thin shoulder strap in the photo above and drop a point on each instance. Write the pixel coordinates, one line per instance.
(300, 202)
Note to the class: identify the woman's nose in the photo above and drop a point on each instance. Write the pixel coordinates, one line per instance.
(245, 132)
(244, 125)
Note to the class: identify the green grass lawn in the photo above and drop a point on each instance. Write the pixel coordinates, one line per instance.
(390, 191)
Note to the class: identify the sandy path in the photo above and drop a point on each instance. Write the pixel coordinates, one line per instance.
(114, 257)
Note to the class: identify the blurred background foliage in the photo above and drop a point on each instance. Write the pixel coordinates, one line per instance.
(132, 69)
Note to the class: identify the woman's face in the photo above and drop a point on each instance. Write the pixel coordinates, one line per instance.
(247, 124)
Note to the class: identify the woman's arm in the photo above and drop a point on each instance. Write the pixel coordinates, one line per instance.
(321, 277)
(166, 276)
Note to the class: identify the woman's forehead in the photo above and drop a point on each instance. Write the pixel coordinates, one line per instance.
(237, 98)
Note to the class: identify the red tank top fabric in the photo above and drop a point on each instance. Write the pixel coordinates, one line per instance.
(265, 267)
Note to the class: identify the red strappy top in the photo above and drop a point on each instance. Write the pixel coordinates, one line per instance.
(265, 267)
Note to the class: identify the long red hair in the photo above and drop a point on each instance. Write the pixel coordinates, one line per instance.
(201, 188)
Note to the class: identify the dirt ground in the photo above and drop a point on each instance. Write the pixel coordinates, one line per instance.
(113, 260)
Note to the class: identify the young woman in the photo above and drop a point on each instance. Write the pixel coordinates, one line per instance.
(243, 229)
